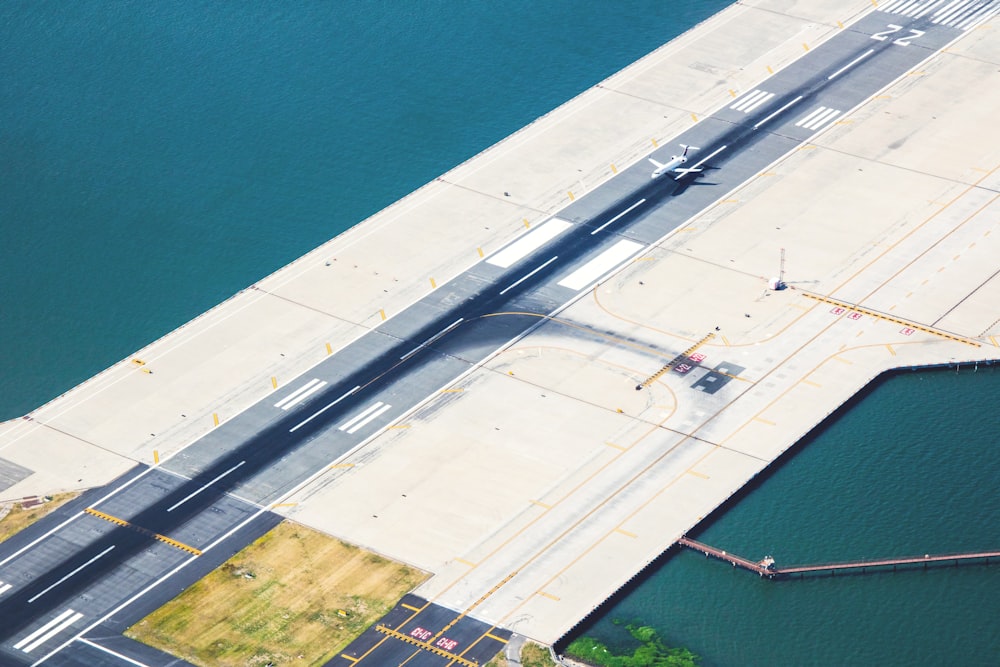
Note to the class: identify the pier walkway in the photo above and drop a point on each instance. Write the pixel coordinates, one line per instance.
(766, 568)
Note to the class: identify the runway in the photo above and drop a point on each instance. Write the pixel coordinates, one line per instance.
(105, 560)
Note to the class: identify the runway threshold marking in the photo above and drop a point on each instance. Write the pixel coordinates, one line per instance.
(895, 320)
(145, 531)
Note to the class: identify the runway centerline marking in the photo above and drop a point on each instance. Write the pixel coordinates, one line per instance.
(432, 339)
(850, 64)
(324, 409)
(100, 555)
(528, 275)
(775, 113)
(195, 493)
(617, 217)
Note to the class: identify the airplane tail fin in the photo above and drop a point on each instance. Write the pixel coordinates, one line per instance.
(688, 148)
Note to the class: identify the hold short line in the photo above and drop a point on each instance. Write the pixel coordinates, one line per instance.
(775, 113)
(195, 493)
(528, 275)
(617, 217)
(100, 555)
(850, 64)
(319, 412)
(432, 339)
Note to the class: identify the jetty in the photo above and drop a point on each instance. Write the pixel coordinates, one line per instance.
(766, 566)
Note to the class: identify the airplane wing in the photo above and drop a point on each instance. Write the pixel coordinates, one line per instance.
(659, 165)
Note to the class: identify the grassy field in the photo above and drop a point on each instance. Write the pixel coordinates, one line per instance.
(18, 519)
(294, 595)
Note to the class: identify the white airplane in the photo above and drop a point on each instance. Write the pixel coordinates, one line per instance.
(674, 165)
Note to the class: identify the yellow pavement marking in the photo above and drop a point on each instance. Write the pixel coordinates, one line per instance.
(698, 474)
(274, 382)
(410, 607)
(347, 657)
(844, 361)
(614, 169)
(541, 504)
(811, 383)
(571, 197)
(480, 251)
(466, 562)
(215, 418)
(341, 465)
(399, 426)
(495, 638)
(276, 505)
(329, 349)
(694, 116)
(156, 456)
(527, 225)
(139, 529)
(993, 339)
(382, 313)
(433, 284)
(732, 92)
(616, 446)
(549, 596)
(805, 47)
(138, 362)
(625, 532)
(673, 362)
(764, 421)
(426, 646)
(456, 390)
(655, 145)
(894, 320)
(891, 351)
(770, 70)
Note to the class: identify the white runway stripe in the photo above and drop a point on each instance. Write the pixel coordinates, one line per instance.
(48, 631)
(365, 416)
(529, 243)
(296, 393)
(960, 14)
(304, 395)
(818, 118)
(4, 587)
(590, 272)
(751, 101)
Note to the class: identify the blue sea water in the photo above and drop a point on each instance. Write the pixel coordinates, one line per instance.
(157, 157)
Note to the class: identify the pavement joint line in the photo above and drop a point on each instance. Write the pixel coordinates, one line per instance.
(145, 531)
(895, 320)
(425, 646)
(127, 659)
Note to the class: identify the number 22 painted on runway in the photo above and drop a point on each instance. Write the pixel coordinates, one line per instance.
(893, 28)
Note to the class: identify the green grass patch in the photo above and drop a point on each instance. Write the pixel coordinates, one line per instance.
(294, 595)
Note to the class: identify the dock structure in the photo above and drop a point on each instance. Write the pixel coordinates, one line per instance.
(766, 568)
